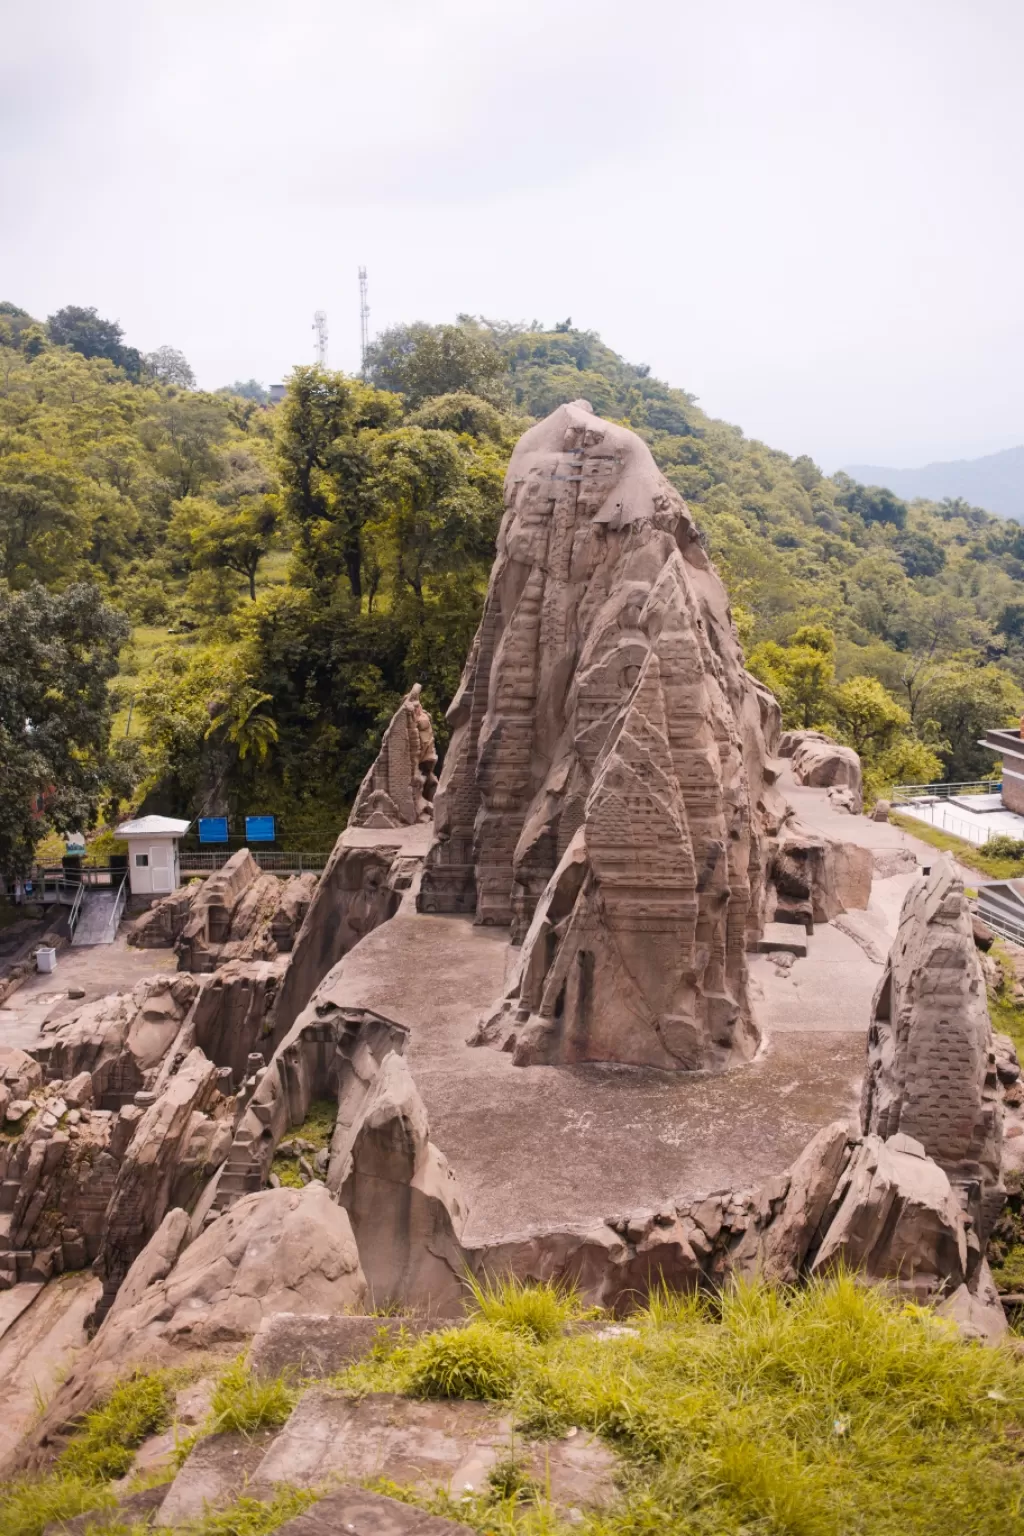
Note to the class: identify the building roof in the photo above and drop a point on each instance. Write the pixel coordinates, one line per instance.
(154, 826)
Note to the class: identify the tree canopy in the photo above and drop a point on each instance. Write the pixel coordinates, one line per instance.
(288, 571)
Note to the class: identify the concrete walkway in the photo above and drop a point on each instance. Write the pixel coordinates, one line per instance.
(97, 971)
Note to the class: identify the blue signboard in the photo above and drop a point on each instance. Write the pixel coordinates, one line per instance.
(259, 829)
(213, 829)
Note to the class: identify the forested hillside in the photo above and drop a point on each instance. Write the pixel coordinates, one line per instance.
(287, 572)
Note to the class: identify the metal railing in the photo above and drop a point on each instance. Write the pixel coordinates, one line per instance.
(904, 792)
(966, 831)
(1002, 926)
(120, 902)
(76, 911)
(272, 861)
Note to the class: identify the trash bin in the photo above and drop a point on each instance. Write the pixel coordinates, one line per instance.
(46, 960)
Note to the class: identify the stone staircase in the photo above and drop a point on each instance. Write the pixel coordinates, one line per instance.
(95, 925)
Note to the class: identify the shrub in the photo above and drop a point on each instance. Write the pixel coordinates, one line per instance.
(479, 1361)
(1002, 846)
(242, 1402)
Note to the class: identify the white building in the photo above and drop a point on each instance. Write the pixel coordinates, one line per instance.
(153, 853)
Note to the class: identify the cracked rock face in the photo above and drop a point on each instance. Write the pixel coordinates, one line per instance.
(932, 1071)
(399, 787)
(606, 791)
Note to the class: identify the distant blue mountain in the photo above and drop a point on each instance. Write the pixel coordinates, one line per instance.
(995, 482)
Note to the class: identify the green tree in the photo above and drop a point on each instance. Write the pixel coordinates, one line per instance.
(963, 701)
(868, 717)
(169, 366)
(192, 428)
(430, 519)
(325, 436)
(84, 331)
(233, 538)
(800, 674)
(58, 652)
(43, 524)
(421, 361)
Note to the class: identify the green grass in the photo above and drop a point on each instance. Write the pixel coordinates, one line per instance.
(1006, 1015)
(317, 1129)
(102, 1449)
(831, 1411)
(245, 1403)
(539, 1312)
(996, 867)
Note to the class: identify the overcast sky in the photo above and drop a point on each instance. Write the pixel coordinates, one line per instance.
(808, 213)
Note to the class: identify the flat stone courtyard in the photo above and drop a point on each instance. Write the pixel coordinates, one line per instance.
(537, 1146)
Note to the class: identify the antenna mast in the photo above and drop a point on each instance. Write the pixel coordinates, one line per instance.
(320, 326)
(364, 317)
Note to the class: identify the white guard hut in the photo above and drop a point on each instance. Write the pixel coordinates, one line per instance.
(153, 853)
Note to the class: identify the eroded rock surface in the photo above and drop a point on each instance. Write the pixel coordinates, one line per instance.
(605, 790)
(400, 785)
(824, 764)
(237, 913)
(932, 1070)
(360, 888)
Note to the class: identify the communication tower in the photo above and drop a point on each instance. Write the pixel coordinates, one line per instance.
(364, 316)
(320, 327)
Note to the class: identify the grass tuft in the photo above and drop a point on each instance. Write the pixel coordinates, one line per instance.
(539, 1311)
(105, 1446)
(242, 1402)
(102, 1449)
(479, 1361)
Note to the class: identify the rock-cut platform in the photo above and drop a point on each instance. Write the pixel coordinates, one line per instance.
(538, 1146)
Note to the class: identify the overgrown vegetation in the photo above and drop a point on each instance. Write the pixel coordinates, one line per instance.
(100, 1451)
(821, 1412)
(305, 1141)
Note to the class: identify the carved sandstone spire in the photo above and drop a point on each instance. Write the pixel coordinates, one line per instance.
(400, 785)
(604, 792)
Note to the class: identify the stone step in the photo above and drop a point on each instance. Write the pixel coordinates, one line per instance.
(782, 939)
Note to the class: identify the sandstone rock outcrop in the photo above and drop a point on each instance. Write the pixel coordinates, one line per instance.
(249, 916)
(897, 1218)
(932, 1071)
(122, 1038)
(404, 1203)
(282, 1250)
(814, 878)
(400, 785)
(883, 1208)
(604, 791)
(401, 1195)
(824, 764)
(360, 888)
(152, 1163)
